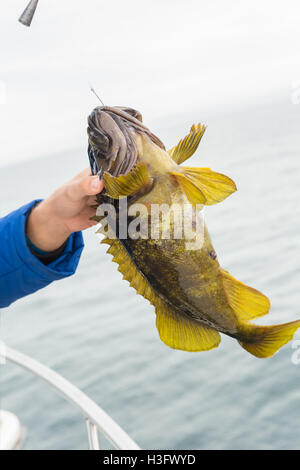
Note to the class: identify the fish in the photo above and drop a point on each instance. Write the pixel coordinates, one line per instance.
(194, 298)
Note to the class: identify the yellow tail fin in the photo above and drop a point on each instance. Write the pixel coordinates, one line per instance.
(264, 341)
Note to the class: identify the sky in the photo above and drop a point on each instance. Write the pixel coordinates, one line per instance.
(162, 57)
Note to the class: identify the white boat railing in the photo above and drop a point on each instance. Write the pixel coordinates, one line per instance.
(96, 418)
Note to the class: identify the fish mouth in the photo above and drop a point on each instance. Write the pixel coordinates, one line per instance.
(112, 133)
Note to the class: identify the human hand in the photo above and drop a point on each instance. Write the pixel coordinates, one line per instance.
(66, 211)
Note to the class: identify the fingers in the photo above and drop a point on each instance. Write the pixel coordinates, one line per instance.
(92, 201)
(89, 212)
(86, 217)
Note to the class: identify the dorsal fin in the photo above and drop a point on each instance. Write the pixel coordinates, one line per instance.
(248, 303)
(187, 146)
(129, 270)
(179, 332)
(136, 180)
(175, 330)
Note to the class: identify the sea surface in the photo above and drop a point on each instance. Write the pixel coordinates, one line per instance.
(93, 329)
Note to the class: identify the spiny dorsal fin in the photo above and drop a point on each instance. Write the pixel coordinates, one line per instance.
(187, 146)
(176, 331)
(204, 186)
(126, 185)
(130, 271)
(248, 303)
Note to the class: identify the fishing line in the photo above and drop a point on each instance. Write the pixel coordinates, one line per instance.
(93, 91)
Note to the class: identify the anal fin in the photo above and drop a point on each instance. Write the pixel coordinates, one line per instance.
(248, 303)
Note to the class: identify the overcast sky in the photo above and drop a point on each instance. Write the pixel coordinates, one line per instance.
(161, 56)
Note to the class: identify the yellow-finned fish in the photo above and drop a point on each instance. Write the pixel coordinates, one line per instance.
(194, 298)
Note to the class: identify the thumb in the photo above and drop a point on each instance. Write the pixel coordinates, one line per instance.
(86, 186)
(94, 185)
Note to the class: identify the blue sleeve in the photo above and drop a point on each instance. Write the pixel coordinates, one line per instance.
(21, 273)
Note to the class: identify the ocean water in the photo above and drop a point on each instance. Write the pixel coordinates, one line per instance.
(93, 328)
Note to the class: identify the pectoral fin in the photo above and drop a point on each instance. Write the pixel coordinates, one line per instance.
(204, 186)
(187, 146)
(179, 332)
(248, 303)
(192, 191)
(136, 180)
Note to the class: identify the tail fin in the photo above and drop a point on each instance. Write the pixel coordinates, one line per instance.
(264, 341)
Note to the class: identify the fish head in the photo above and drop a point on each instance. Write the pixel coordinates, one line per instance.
(113, 133)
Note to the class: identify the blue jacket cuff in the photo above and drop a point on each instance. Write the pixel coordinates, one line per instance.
(21, 273)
